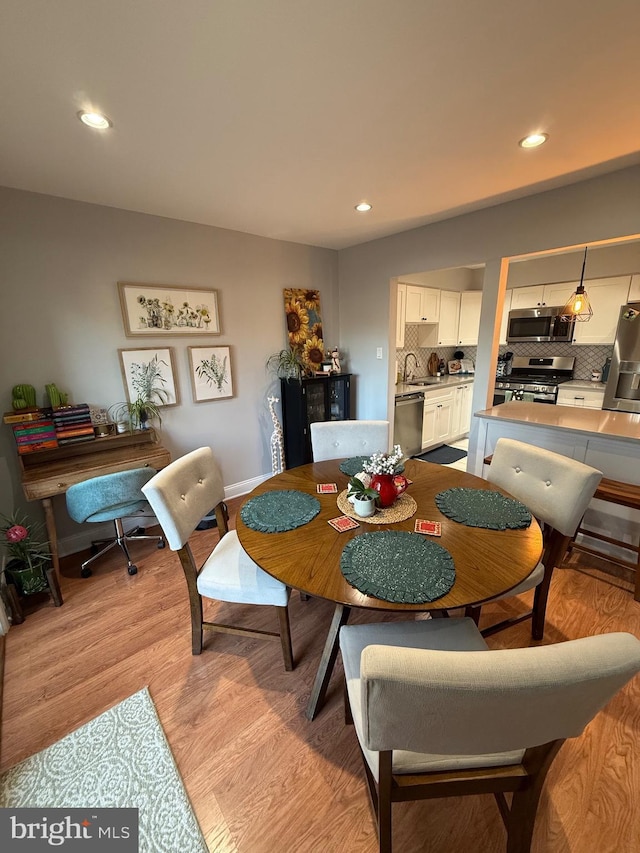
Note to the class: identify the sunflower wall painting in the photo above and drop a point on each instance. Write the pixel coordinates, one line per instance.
(304, 326)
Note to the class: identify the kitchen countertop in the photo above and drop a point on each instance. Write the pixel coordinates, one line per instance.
(582, 384)
(431, 382)
(589, 422)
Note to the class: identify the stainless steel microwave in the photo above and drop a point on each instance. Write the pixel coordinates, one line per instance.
(539, 324)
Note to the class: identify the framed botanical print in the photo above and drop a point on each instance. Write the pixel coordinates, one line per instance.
(158, 309)
(210, 369)
(149, 374)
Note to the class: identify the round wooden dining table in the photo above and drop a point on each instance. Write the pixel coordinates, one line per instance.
(487, 562)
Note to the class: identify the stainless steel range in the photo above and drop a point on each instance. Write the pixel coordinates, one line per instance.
(539, 377)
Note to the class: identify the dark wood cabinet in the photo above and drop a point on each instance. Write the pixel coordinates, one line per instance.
(321, 398)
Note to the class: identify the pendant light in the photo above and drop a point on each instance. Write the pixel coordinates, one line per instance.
(578, 306)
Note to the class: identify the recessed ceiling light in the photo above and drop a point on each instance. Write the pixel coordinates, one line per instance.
(533, 140)
(363, 207)
(95, 120)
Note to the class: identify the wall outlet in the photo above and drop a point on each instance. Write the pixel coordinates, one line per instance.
(379, 352)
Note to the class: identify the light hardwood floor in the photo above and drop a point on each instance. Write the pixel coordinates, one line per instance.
(263, 778)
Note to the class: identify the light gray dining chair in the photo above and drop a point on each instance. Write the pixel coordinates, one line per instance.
(437, 714)
(181, 495)
(340, 439)
(557, 491)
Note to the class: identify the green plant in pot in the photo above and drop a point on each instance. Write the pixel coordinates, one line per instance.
(286, 364)
(148, 383)
(362, 496)
(28, 556)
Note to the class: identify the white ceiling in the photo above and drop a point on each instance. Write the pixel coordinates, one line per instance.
(276, 117)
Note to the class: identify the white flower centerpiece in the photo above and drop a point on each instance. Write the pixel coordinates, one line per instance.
(384, 463)
(386, 479)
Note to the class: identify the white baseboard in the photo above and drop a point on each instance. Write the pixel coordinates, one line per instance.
(82, 540)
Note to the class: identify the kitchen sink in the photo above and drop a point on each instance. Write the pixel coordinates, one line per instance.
(433, 380)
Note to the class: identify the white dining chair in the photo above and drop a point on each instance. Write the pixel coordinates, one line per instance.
(437, 714)
(340, 439)
(557, 491)
(181, 495)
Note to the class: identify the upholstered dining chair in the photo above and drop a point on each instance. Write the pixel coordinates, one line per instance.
(337, 439)
(181, 495)
(437, 714)
(112, 497)
(557, 491)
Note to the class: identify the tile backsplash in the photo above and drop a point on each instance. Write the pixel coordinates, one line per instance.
(587, 358)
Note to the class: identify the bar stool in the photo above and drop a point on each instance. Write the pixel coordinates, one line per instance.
(616, 492)
(622, 494)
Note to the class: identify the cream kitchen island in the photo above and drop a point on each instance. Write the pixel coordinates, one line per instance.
(609, 441)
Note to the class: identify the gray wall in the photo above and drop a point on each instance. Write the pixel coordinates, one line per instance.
(61, 322)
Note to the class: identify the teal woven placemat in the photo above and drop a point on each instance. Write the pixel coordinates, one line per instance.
(398, 566)
(353, 466)
(278, 511)
(483, 508)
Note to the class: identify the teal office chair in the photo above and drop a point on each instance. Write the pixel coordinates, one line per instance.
(112, 497)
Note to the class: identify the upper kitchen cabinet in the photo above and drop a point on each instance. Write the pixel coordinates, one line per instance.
(401, 315)
(422, 305)
(606, 295)
(539, 294)
(449, 318)
(470, 304)
(634, 290)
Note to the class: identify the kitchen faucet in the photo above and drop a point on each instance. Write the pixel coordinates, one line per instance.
(405, 376)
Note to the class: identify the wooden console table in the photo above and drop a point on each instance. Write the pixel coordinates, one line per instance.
(46, 473)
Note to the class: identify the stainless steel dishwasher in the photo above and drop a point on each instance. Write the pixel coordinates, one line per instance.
(407, 423)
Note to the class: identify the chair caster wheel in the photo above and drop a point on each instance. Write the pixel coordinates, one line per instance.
(133, 570)
(161, 544)
(85, 573)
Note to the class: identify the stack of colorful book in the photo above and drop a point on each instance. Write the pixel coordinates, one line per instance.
(73, 424)
(32, 431)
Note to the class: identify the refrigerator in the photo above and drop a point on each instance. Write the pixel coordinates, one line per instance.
(622, 393)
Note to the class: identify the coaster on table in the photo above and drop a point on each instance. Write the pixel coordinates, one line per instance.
(342, 523)
(327, 488)
(431, 528)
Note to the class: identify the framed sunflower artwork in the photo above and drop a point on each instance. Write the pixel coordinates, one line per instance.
(304, 326)
(161, 310)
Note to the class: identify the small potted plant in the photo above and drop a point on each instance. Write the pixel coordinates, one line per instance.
(147, 381)
(361, 496)
(286, 364)
(28, 556)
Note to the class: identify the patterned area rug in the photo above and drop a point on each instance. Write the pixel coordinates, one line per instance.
(120, 759)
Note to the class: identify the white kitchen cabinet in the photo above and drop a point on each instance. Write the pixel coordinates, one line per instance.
(505, 317)
(461, 418)
(470, 304)
(634, 290)
(437, 419)
(582, 397)
(400, 317)
(539, 295)
(449, 318)
(606, 295)
(423, 304)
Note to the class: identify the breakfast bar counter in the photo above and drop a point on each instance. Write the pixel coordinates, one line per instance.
(609, 441)
(588, 423)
